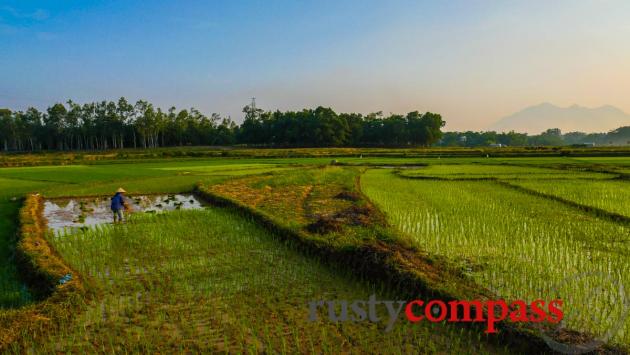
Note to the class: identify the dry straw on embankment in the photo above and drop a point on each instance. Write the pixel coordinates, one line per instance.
(42, 269)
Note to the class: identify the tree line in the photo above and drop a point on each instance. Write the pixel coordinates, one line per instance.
(551, 137)
(116, 125)
(323, 127)
(109, 125)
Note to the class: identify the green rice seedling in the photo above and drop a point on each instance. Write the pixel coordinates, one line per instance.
(519, 245)
(503, 172)
(211, 280)
(609, 195)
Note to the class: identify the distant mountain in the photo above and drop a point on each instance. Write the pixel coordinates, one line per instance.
(536, 119)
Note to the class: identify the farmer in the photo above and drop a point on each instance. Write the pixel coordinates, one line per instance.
(118, 204)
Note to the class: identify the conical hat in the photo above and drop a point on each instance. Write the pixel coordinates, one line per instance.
(120, 189)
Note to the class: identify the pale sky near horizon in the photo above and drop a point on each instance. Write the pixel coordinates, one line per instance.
(472, 61)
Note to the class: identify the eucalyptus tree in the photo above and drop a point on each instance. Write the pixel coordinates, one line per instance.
(6, 127)
(54, 124)
(73, 125)
(125, 116)
(31, 121)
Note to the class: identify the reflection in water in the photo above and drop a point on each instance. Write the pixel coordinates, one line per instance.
(84, 212)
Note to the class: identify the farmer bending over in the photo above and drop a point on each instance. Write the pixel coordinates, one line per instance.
(118, 205)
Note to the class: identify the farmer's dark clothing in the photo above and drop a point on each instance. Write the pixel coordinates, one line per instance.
(118, 205)
(118, 202)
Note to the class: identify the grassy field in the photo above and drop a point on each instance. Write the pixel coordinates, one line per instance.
(215, 280)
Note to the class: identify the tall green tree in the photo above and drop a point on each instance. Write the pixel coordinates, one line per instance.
(54, 124)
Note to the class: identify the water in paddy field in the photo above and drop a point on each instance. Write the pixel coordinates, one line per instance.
(85, 212)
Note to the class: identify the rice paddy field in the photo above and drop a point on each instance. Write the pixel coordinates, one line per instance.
(223, 279)
(524, 247)
(611, 196)
(214, 281)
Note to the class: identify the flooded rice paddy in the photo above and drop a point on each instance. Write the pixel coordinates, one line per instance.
(63, 214)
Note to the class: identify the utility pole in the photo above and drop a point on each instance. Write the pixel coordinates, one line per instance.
(253, 104)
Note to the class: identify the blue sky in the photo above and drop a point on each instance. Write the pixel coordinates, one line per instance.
(472, 61)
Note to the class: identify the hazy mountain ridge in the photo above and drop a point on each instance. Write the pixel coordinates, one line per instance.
(536, 119)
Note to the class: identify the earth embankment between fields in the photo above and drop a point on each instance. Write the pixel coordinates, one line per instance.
(42, 269)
